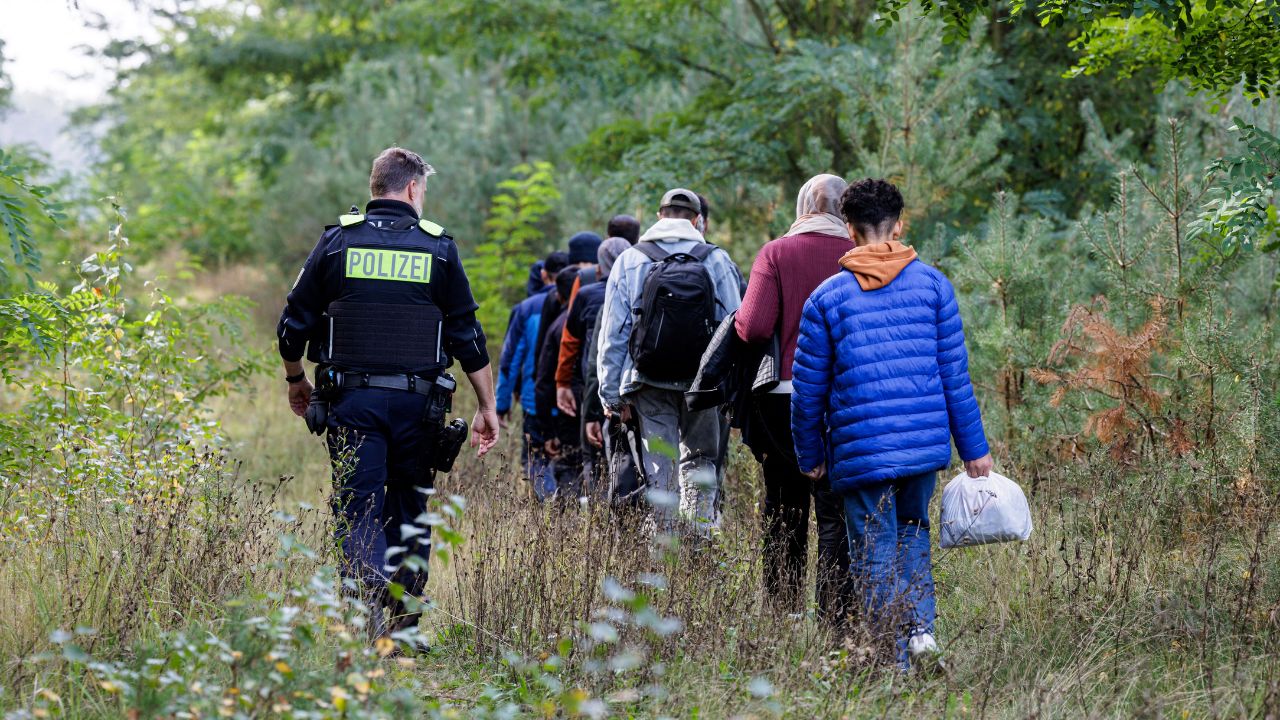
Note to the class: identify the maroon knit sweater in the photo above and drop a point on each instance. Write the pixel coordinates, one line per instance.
(785, 273)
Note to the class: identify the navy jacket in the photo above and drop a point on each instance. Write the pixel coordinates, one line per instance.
(881, 380)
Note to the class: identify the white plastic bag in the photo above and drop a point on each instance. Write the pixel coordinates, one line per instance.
(977, 511)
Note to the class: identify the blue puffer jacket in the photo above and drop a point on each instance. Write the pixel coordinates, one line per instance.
(881, 379)
(516, 365)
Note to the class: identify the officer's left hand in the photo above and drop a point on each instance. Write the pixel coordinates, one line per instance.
(300, 396)
(484, 431)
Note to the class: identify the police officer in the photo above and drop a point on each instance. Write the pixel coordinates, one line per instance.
(383, 307)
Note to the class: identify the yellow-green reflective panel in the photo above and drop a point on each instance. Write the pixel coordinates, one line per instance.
(378, 264)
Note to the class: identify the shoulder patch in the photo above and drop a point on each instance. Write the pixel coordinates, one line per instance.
(349, 220)
(430, 228)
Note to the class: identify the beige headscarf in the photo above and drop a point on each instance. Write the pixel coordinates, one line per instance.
(818, 207)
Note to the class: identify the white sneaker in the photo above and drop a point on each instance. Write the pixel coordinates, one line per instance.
(924, 653)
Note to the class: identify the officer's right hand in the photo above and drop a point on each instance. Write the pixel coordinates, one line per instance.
(503, 420)
(484, 431)
(300, 396)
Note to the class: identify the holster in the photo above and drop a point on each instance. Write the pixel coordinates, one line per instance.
(444, 442)
(326, 389)
(317, 415)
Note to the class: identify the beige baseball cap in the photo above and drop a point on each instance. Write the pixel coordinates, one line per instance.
(681, 198)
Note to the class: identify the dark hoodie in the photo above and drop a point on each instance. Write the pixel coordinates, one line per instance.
(548, 354)
(534, 283)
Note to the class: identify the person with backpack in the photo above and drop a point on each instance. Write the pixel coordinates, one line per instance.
(880, 389)
(784, 274)
(663, 300)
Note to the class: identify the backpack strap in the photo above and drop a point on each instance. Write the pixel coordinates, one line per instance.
(651, 250)
(702, 250)
(699, 252)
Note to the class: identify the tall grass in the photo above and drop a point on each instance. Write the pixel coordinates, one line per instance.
(1143, 592)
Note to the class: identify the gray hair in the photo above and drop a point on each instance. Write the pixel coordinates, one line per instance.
(394, 169)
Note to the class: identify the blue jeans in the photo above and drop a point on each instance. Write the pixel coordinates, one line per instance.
(888, 525)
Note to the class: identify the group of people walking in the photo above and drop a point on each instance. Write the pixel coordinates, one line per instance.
(841, 360)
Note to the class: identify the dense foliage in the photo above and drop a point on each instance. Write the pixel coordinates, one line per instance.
(1216, 44)
(256, 127)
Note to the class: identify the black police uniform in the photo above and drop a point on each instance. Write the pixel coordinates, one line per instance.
(384, 300)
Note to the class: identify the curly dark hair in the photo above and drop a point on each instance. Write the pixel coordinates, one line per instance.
(869, 205)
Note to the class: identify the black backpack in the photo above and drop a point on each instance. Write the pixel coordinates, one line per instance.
(677, 313)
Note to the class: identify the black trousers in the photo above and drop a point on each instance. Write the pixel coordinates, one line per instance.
(378, 447)
(785, 513)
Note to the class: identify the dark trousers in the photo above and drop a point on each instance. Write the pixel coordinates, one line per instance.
(785, 513)
(377, 444)
(537, 466)
(566, 468)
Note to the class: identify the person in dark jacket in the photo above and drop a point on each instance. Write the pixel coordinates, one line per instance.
(516, 375)
(561, 442)
(582, 255)
(880, 390)
(383, 307)
(783, 275)
(584, 306)
(577, 341)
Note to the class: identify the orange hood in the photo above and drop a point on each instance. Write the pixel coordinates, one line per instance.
(877, 265)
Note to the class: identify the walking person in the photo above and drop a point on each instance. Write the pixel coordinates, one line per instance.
(880, 390)
(577, 390)
(510, 379)
(582, 256)
(663, 300)
(785, 272)
(516, 378)
(383, 307)
(562, 436)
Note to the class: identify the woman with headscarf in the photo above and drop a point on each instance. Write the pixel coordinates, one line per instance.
(785, 272)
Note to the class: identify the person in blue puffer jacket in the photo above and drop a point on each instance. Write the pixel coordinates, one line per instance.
(517, 368)
(880, 390)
